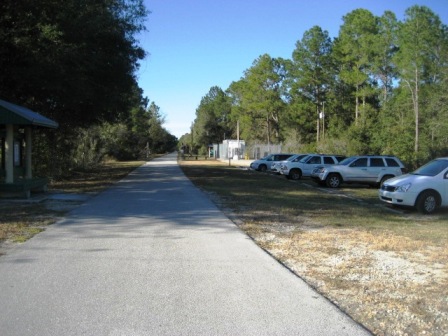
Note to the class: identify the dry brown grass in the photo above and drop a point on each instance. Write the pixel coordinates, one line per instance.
(382, 288)
(95, 179)
(22, 219)
(388, 270)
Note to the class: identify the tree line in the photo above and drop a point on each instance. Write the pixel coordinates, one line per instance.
(75, 61)
(379, 87)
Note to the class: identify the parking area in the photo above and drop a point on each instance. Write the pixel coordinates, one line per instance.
(362, 253)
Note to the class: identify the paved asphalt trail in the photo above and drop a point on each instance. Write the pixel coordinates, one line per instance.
(153, 256)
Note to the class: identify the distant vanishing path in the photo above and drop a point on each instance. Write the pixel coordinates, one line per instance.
(154, 256)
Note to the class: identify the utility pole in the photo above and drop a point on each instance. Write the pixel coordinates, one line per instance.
(323, 120)
(238, 138)
(318, 123)
(321, 116)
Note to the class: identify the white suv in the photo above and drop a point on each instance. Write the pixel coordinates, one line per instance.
(304, 167)
(276, 167)
(426, 188)
(265, 163)
(365, 169)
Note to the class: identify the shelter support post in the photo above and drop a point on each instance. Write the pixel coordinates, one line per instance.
(28, 148)
(9, 154)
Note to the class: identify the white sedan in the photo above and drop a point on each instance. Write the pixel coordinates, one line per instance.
(426, 188)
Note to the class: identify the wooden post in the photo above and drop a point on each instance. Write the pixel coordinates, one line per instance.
(28, 150)
(9, 154)
(318, 124)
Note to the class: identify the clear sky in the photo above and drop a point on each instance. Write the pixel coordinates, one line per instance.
(193, 45)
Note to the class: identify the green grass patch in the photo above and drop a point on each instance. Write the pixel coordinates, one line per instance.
(26, 233)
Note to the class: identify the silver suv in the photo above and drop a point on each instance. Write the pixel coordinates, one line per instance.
(365, 169)
(304, 167)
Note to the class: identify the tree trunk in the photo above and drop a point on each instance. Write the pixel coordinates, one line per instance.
(269, 131)
(416, 111)
(356, 105)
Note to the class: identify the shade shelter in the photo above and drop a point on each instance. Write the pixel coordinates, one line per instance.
(16, 125)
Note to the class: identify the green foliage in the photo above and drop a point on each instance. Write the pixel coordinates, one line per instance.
(213, 123)
(310, 76)
(118, 141)
(436, 126)
(355, 53)
(75, 61)
(89, 150)
(258, 100)
(382, 84)
(384, 47)
(421, 37)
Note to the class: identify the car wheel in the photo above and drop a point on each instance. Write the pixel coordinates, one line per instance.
(295, 174)
(262, 168)
(333, 181)
(427, 202)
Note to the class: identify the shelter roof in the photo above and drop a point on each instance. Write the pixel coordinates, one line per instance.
(18, 115)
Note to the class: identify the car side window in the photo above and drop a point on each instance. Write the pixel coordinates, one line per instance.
(359, 163)
(328, 160)
(314, 160)
(376, 162)
(392, 163)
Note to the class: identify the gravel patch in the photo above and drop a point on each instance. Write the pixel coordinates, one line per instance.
(388, 292)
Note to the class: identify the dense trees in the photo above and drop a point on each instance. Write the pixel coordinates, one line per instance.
(75, 61)
(258, 99)
(422, 41)
(380, 87)
(213, 118)
(310, 79)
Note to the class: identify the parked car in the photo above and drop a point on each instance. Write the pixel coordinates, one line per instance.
(425, 189)
(276, 166)
(266, 162)
(364, 169)
(304, 167)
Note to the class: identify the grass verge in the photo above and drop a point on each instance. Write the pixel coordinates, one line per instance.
(22, 219)
(388, 269)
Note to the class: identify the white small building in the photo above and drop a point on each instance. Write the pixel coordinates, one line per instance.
(230, 149)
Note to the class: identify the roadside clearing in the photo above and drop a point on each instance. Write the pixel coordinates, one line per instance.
(388, 269)
(21, 219)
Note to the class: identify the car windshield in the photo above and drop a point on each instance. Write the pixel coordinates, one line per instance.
(294, 157)
(432, 168)
(347, 161)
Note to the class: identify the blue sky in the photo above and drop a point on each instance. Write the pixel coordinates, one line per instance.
(193, 45)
